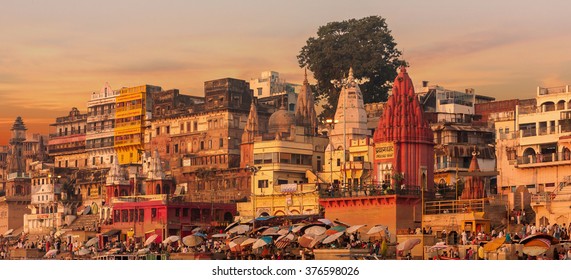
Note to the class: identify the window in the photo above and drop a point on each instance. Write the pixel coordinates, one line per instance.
(501, 131)
(168, 148)
(260, 91)
(221, 143)
(141, 215)
(507, 130)
(177, 212)
(168, 129)
(195, 125)
(185, 212)
(111, 159)
(209, 144)
(158, 130)
(202, 145)
(262, 184)
(338, 162)
(153, 213)
(175, 147)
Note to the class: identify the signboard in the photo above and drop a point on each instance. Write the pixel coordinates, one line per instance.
(384, 150)
(288, 188)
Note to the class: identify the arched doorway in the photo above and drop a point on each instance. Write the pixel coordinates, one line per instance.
(529, 156)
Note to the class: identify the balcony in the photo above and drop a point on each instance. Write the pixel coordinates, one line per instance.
(365, 191)
(540, 160)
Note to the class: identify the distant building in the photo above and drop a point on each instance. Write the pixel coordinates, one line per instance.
(100, 133)
(67, 140)
(132, 111)
(269, 85)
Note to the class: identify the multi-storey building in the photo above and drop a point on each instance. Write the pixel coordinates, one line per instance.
(132, 111)
(201, 148)
(534, 157)
(280, 160)
(458, 132)
(67, 140)
(100, 133)
(269, 84)
(44, 217)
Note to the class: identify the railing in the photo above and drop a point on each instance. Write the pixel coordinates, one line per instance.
(455, 206)
(528, 132)
(371, 190)
(539, 158)
(547, 130)
(98, 145)
(445, 165)
(63, 134)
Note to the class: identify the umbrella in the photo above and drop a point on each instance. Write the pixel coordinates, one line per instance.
(325, 221)
(284, 230)
(203, 235)
(297, 228)
(170, 239)
(219, 235)
(537, 246)
(241, 229)
(236, 242)
(143, 251)
(231, 225)
(280, 244)
(196, 229)
(192, 240)
(289, 236)
(306, 240)
(84, 252)
(91, 242)
(317, 239)
(552, 239)
(270, 230)
(150, 239)
(8, 232)
(354, 228)
(248, 241)
(315, 230)
(494, 244)
(262, 241)
(51, 253)
(438, 246)
(339, 223)
(408, 244)
(332, 237)
(377, 229)
(260, 228)
(335, 230)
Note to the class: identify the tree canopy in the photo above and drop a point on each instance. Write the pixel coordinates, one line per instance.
(366, 45)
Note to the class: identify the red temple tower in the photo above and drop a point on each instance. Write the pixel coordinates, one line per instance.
(404, 146)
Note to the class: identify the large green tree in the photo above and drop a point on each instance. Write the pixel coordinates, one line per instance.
(366, 45)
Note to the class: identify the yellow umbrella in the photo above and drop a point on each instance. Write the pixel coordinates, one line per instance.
(493, 245)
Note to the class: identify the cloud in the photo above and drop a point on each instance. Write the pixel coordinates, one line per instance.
(453, 48)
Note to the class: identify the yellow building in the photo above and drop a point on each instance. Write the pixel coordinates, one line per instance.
(279, 160)
(133, 107)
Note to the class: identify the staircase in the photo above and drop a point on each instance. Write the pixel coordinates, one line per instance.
(85, 222)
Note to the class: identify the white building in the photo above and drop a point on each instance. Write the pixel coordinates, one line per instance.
(270, 84)
(100, 128)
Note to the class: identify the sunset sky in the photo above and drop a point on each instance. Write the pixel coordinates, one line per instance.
(53, 54)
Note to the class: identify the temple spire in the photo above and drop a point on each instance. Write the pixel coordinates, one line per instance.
(251, 129)
(305, 114)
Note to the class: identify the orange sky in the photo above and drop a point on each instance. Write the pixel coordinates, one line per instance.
(54, 54)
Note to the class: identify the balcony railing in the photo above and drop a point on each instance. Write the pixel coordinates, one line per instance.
(455, 206)
(539, 158)
(364, 191)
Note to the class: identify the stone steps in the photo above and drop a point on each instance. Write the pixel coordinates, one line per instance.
(85, 222)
